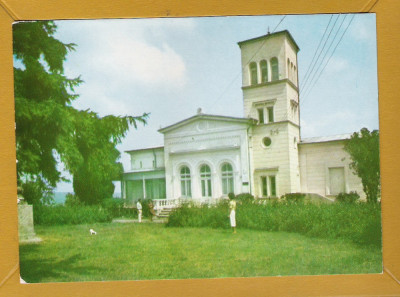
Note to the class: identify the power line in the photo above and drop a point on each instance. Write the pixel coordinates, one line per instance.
(238, 74)
(344, 32)
(330, 32)
(316, 51)
(325, 54)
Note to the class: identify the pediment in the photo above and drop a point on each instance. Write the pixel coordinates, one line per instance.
(203, 124)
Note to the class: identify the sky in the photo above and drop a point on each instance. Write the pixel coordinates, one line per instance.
(172, 66)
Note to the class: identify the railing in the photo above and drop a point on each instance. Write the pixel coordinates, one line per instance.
(160, 204)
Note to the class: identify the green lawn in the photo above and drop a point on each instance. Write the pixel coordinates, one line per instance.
(152, 251)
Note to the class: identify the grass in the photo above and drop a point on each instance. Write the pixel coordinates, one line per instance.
(151, 251)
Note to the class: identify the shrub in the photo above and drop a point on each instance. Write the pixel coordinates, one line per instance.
(359, 222)
(115, 206)
(70, 215)
(245, 197)
(294, 197)
(72, 200)
(351, 197)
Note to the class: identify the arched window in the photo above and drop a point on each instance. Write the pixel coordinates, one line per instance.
(274, 69)
(227, 179)
(264, 71)
(288, 69)
(253, 73)
(205, 177)
(295, 75)
(186, 183)
(292, 72)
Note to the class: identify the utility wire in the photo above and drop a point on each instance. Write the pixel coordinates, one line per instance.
(311, 81)
(238, 74)
(316, 51)
(306, 80)
(344, 32)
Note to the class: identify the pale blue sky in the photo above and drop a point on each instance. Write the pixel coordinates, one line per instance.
(170, 67)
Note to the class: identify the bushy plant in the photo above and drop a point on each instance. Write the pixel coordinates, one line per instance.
(294, 197)
(245, 198)
(70, 215)
(351, 197)
(114, 205)
(72, 200)
(359, 222)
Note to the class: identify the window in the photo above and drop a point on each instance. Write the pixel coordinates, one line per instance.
(272, 182)
(227, 179)
(268, 186)
(274, 69)
(264, 186)
(186, 184)
(205, 177)
(270, 114)
(260, 115)
(264, 71)
(253, 73)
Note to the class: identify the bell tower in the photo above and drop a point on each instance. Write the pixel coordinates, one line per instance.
(271, 96)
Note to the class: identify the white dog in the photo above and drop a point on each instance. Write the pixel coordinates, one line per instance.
(92, 232)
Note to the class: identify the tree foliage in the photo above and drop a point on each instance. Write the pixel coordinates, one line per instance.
(49, 129)
(363, 148)
(42, 93)
(91, 156)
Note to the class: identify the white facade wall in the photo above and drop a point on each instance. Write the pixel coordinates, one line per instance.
(315, 161)
(147, 159)
(211, 142)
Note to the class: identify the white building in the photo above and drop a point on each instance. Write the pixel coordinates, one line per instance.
(205, 157)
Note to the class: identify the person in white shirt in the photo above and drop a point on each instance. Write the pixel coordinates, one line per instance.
(139, 209)
(232, 211)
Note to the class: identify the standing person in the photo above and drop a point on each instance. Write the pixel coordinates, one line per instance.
(151, 210)
(232, 211)
(139, 209)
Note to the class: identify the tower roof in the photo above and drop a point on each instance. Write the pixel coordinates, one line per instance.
(271, 35)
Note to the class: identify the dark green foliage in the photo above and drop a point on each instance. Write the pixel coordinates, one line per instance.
(91, 156)
(351, 197)
(360, 222)
(245, 198)
(191, 216)
(115, 207)
(70, 215)
(42, 95)
(294, 197)
(72, 200)
(36, 192)
(363, 148)
(50, 130)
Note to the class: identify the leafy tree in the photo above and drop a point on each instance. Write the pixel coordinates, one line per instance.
(49, 129)
(42, 93)
(363, 148)
(91, 155)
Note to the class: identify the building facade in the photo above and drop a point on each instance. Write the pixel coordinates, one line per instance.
(205, 157)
